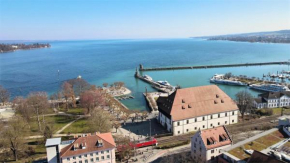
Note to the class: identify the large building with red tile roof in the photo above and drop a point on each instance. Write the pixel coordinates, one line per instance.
(88, 148)
(194, 108)
(207, 144)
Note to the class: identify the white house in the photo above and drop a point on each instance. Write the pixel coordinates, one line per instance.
(195, 108)
(207, 144)
(272, 100)
(98, 148)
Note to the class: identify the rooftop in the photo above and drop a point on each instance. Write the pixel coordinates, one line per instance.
(52, 142)
(215, 137)
(194, 102)
(89, 143)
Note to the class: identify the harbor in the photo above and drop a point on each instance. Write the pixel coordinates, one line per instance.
(214, 66)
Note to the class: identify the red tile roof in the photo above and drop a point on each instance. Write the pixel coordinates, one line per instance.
(215, 137)
(89, 142)
(194, 102)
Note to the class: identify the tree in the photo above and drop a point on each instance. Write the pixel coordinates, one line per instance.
(48, 131)
(4, 95)
(124, 147)
(21, 107)
(100, 121)
(228, 75)
(67, 92)
(245, 102)
(13, 135)
(79, 85)
(116, 125)
(91, 99)
(38, 102)
(144, 115)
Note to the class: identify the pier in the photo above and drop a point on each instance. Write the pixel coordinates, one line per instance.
(213, 66)
(157, 86)
(125, 97)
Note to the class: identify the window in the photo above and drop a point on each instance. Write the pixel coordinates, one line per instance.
(86, 161)
(218, 123)
(80, 156)
(226, 122)
(195, 119)
(203, 118)
(74, 157)
(211, 124)
(97, 153)
(178, 132)
(91, 154)
(178, 123)
(186, 130)
(68, 159)
(226, 114)
(92, 160)
(97, 158)
(212, 151)
(212, 157)
(187, 121)
(108, 156)
(86, 155)
(219, 115)
(210, 116)
(195, 128)
(233, 113)
(80, 161)
(108, 151)
(233, 121)
(102, 152)
(103, 157)
(203, 126)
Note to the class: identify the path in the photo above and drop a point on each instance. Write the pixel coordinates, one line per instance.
(67, 125)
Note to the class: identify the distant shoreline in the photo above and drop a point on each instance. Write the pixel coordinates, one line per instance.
(6, 48)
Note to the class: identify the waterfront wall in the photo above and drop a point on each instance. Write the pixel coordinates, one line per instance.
(212, 66)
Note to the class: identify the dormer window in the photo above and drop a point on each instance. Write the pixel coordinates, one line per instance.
(183, 107)
(189, 106)
(217, 96)
(183, 101)
(215, 102)
(99, 143)
(222, 101)
(210, 141)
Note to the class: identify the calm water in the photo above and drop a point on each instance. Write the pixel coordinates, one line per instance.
(115, 60)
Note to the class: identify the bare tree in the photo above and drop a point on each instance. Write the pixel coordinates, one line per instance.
(4, 95)
(116, 125)
(100, 121)
(38, 102)
(124, 147)
(91, 99)
(79, 85)
(21, 107)
(67, 92)
(245, 102)
(13, 135)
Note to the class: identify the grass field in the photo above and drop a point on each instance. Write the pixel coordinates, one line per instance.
(57, 121)
(79, 126)
(258, 144)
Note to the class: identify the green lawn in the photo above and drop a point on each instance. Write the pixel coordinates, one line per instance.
(278, 111)
(79, 126)
(74, 111)
(57, 121)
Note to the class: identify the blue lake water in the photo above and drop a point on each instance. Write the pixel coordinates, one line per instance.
(100, 61)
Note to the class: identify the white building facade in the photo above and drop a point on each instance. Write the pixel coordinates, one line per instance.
(272, 100)
(181, 112)
(206, 145)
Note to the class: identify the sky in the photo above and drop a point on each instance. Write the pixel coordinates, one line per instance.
(138, 19)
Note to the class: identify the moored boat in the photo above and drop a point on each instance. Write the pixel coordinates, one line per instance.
(269, 87)
(219, 79)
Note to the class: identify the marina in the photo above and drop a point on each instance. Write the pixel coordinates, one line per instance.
(126, 97)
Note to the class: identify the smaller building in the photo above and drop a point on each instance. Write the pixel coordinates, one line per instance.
(87, 148)
(206, 145)
(272, 100)
(261, 157)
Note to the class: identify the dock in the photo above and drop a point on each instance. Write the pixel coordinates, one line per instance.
(214, 66)
(157, 86)
(125, 97)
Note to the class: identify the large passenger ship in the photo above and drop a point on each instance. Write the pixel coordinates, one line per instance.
(220, 79)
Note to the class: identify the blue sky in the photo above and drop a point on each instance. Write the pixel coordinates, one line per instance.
(121, 19)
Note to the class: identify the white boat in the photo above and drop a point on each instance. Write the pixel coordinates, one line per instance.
(219, 79)
(277, 155)
(165, 83)
(273, 75)
(249, 151)
(270, 87)
(282, 76)
(147, 77)
(285, 157)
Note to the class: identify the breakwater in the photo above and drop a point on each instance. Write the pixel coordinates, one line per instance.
(213, 66)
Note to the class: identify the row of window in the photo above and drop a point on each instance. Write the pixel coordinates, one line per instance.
(91, 154)
(282, 100)
(203, 118)
(92, 159)
(211, 125)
